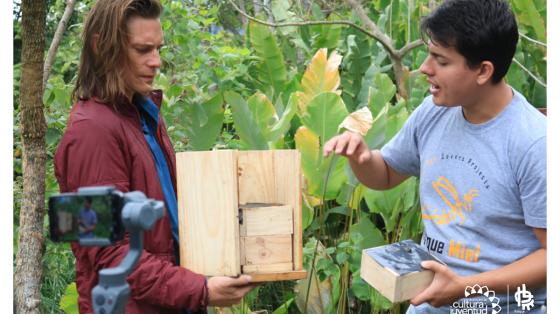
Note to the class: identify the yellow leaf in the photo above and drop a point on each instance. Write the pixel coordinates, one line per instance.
(358, 121)
(308, 199)
(320, 76)
(308, 144)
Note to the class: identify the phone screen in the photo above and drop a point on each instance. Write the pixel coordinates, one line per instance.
(77, 218)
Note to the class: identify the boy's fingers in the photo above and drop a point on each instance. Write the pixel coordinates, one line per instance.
(329, 146)
(353, 145)
(422, 297)
(433, 266)
(341, 145)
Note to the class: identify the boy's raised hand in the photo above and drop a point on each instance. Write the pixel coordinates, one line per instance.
(350, 145)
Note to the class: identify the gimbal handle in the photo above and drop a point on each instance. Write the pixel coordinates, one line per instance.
(138, 215)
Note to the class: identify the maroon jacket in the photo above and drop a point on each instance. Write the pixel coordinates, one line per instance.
(104, 147)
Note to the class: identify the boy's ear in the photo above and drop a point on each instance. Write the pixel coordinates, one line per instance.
(485, 72)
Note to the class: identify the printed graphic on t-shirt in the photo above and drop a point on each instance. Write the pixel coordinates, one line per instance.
(453, 248)
(452, 206)
(454, 203)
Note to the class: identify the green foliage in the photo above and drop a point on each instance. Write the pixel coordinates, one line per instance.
(58, 272)
(271, 68)
(198, 65)
(324, 113)
(355, 63)
(246, 124)
(531, 18)
(68, 302)
(204, 123)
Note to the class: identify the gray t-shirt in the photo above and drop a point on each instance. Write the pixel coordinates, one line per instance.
(482, 186)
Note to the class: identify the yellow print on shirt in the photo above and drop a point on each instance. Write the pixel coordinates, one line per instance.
(449, 195)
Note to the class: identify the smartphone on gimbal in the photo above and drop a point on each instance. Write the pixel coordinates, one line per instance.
(89, 216)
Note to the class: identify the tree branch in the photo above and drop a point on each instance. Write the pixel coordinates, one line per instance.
(400, 70)
(529, 72)
(410, 46)
(371, 29)
(532, 40)
(56, 40)
(375, 31)
(303, 23)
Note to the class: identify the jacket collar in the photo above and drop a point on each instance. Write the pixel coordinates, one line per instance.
(157, 96)
(125, 107)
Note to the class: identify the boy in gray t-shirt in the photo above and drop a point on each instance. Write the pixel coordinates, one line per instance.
(479, 149)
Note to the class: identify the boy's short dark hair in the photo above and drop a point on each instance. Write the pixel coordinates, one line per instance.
(480, 30)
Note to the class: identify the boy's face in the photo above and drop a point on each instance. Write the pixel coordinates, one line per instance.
(452, 82)
(145, 38)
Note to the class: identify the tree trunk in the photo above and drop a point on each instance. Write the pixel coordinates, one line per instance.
(27, 281)
(401, 76)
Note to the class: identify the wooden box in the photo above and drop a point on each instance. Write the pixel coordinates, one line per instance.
(394, 270)
(240, 213)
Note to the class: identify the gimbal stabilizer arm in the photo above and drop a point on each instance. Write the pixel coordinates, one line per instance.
(138, 215)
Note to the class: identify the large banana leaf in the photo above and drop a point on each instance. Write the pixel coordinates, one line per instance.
(396, 117)
(370, 235)
(308, 145)
(320, 76)
(205, 123)
(390, 203)
(325, 36)
(323, 115)
(376, 135)
(356, 62)
(283, 125)
(316, 168)
(272, 69)
(263, 112)
(384, 91)
(245, 124)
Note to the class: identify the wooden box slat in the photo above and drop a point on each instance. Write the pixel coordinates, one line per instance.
(266, 220)
(272, 249)
(267, 268)
(208, 209)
